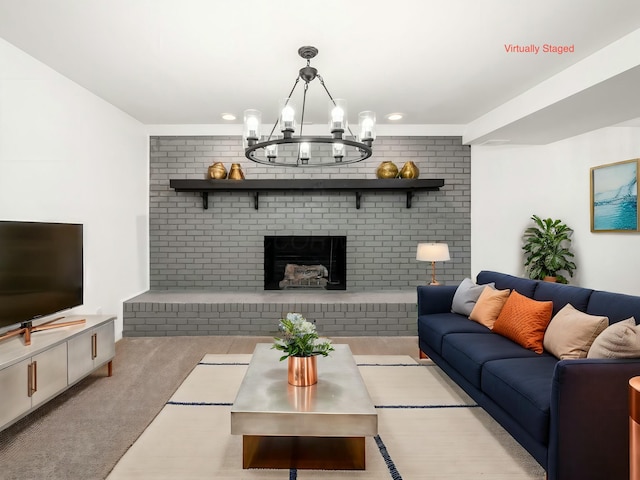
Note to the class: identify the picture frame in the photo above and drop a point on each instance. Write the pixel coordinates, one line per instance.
(614, 197)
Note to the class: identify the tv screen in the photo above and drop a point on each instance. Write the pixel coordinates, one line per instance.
(41, 269)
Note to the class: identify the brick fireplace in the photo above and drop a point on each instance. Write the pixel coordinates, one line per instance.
(305, 262)
(221, 249)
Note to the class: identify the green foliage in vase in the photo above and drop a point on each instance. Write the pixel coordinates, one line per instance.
(547, 248)
(300, 338)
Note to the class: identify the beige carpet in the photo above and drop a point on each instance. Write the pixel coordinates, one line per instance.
(428, 429)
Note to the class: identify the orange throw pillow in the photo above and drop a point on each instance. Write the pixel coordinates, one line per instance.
(524, 321)
(488, 306)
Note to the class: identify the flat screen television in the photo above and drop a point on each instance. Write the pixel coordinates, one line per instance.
(41, 270)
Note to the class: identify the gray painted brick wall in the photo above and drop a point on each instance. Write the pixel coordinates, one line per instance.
(221, 248)
(144, 319)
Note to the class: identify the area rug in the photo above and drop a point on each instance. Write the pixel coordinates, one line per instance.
(428, 428)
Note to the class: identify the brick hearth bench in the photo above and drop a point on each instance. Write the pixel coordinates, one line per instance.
(337, 313)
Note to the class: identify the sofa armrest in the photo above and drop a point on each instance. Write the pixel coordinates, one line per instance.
(435, 298)
(589, 430)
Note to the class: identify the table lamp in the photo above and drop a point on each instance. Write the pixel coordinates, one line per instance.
(433, 252)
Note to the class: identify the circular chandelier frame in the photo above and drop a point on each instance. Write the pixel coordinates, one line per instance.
(256, 150)
(365, 151)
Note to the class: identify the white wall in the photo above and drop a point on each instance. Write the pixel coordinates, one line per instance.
(68, 156)
(510, 183)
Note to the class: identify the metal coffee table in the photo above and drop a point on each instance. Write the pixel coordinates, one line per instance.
(318, 427)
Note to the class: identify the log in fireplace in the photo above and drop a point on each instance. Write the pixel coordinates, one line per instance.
(298, 261)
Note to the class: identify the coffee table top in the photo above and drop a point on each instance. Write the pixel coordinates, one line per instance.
(337, 406)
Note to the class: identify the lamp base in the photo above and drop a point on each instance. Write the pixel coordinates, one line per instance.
(433, 274)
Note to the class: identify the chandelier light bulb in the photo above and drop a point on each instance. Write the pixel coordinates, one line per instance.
(287, 119)
(337, 117)
(305, 152)
(367, 126)
(338, 151)
(252, 126)
(252, 119)
(272, 152)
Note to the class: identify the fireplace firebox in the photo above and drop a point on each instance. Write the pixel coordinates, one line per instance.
(298, 261)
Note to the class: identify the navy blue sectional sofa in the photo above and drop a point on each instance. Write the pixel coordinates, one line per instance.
(570, 415)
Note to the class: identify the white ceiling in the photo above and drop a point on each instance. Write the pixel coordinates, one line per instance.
(179, 62)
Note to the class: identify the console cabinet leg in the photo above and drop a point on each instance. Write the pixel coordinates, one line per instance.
(110, 369)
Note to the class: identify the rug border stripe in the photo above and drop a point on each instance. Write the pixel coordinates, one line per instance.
(393, 471)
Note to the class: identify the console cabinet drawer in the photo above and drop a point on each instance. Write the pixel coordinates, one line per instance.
(31, 382)
(90, 350)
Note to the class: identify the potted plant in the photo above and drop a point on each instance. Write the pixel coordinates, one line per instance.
(547, 248)
(301, 345)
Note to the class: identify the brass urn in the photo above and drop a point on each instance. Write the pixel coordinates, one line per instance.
(409, 170)
(236, 172)
(217, 171)
(387, 170)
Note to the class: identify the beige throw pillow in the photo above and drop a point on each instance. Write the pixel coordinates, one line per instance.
(571, 332)
(619, 340)
(488, 306)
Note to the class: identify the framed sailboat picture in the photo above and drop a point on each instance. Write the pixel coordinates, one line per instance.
(614, 197)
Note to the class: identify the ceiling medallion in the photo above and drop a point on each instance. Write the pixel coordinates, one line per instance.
(309, 151)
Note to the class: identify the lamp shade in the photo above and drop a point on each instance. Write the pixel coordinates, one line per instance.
(433, 252)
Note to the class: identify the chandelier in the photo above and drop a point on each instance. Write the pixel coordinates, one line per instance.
(308, 151)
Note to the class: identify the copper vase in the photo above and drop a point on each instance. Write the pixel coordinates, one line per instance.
(217, 171)
(387, 170)
(409, 170)
(236, 172)
(302, 371)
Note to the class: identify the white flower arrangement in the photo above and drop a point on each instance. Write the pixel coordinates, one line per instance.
(300, 338)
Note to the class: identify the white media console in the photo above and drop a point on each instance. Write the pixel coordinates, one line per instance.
(30, 375)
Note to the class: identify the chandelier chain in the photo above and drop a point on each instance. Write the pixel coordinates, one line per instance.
(304, 103)
(273, 129)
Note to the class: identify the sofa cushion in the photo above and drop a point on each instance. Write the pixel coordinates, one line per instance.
(467, 352)
(571, 332)
(616, 306)
(620, 340)
(433, 328)
(522, 387)
(488, 306)
(466, 297)
(502, 281)
(524, 321)
(561, 295)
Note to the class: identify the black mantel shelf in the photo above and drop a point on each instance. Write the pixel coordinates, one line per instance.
(205, 187)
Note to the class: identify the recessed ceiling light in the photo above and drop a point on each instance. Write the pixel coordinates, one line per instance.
(394, 116)
(228, 116)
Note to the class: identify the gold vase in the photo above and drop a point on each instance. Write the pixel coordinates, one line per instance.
(236, 172)
(387, 170)
(302, 371)
(409, 170)
(217, 171)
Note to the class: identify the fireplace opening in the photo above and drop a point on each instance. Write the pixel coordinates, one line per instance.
(296, 261)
